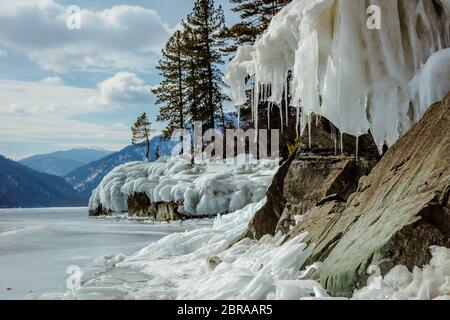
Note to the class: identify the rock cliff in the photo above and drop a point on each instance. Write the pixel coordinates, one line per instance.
(392, 216)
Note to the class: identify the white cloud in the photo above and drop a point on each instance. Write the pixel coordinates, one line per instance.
(3, 53)
(38, 98)
(120, 125)
(123, 88)
(120, 37)
(54, 81)
(42, 112)
(36, 112)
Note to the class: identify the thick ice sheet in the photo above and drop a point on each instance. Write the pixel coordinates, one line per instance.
(37, 245)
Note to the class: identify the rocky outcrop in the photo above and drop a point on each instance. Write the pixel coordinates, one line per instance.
(266, 219)
(139, 205)
(310, 175)
(100, 211)
(397, 212)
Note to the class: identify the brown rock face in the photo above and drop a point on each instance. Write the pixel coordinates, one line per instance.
(312, 177)
(266, 219)
(309, 175)
(398, 212)
(99, 211)
(139, 205)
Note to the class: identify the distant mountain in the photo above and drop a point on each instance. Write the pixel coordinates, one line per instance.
(61, 163)
(86, 178)
(21, 186)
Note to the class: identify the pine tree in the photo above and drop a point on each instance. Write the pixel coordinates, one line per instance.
(191, 51)
(141, 132)
(255, 18)
(205, 27)
(171, 92)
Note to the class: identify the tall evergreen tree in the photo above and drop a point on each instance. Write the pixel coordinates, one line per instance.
(206, 25)
(255, 18)
(193, 75)
(141, 132)
(171, 92)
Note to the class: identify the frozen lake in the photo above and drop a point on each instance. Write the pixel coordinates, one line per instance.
(37, 246)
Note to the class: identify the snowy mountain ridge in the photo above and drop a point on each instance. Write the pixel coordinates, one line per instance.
(61, 163)
(21, 186)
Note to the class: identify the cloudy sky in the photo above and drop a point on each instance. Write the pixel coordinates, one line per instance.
(63, 88)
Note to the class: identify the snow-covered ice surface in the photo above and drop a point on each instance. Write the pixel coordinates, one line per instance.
(37, 245)
(200, 264)
(204, 189)
(356, 77)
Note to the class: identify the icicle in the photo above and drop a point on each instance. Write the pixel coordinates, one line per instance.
(286, 102)
(281, 117)
(239, 116)
(252, 98)
(342, 143)
(297, 123)
(335, 140)
(357, 148)
(258, 88)
(309, 130)
(303, 122)
(263, 93)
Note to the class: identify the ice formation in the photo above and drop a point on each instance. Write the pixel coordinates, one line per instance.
(178, 267)
(204, 189)
(356, 77)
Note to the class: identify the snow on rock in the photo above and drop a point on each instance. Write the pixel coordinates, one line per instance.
(356, 77)
(203, 189)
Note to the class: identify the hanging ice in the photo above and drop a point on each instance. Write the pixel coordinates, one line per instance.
(359, 79)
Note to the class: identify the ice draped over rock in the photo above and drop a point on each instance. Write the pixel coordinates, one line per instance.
(360, 79)
(202, 189)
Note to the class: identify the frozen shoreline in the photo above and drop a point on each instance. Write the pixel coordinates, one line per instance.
(37, 245)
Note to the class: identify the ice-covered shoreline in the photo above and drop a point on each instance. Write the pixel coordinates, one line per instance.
(201, 189)
(359, 79)
(200, 264)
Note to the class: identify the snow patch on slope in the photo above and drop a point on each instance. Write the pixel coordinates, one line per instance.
(357, 78)
(204, 189)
